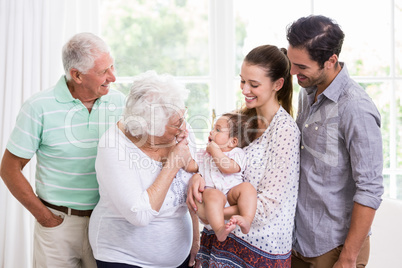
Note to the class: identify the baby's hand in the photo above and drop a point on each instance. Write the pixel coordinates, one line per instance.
(211, 147)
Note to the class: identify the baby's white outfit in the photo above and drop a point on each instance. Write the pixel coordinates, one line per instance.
(213, 177)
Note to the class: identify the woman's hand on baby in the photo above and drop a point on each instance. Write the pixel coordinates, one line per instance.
(195, 188)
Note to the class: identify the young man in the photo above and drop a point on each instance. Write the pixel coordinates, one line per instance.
(62, 126)
(341, 151)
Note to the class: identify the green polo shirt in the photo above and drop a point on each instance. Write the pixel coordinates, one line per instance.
(64, 136)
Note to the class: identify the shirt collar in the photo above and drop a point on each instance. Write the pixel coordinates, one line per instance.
(61, 91)
(334, 90)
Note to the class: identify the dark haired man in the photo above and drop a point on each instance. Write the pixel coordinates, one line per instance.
(341, 151)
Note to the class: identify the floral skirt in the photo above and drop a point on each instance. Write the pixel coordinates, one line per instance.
(235, 252)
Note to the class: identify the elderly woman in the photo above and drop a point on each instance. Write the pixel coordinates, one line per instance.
(142, 219)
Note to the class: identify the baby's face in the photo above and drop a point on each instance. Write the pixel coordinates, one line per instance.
(220, 133)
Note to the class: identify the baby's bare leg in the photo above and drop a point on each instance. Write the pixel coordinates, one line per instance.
(201, 211)
(215, 201)
(245, 196)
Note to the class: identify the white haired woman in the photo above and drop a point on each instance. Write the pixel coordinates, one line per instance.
(142, 219)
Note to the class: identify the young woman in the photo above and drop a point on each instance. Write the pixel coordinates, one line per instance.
(272, 168)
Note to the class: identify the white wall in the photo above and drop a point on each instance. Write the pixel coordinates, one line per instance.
(386, 238)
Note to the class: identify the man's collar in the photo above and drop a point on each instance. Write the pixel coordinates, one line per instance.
(334, 90)
(61, 91)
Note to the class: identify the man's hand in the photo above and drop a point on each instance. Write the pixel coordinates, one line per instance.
(344, 264)
(51, 222)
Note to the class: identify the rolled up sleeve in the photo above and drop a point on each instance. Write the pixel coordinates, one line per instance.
(364, 142)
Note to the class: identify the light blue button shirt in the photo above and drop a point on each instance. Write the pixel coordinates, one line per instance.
(341, 162)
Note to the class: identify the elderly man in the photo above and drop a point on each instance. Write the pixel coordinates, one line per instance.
(62, 126)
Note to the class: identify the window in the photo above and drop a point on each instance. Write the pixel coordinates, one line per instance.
(168, 37)
(203, 42)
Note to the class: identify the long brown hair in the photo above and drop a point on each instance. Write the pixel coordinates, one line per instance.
(276, 65)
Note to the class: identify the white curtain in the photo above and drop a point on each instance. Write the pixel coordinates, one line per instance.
(32, 33)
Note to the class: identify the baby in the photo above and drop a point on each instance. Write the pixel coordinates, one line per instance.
(222, 164)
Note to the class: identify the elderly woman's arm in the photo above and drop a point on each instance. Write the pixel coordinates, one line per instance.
(126, 188)
(176, 160)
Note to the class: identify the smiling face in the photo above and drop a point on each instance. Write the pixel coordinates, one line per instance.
(307, 71)
(96, 82)
(258, 89)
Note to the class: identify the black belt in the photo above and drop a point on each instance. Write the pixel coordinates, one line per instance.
(68, 211)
